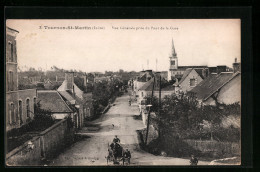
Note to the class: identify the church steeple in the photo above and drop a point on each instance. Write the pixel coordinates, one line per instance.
(174, 54)
(173, 63)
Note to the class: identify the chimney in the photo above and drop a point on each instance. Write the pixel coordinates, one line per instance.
(69, 77)
(236, 66)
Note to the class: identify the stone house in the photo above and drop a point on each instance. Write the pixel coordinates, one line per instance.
(146, 89)
(223, 88)
(191, 77)
(144, 77)
(19, 103)
(52, 101)
(11, 79)
(27, 99)
(77, 98)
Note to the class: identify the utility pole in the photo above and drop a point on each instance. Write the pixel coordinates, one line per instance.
(159, 107)
(148, 118)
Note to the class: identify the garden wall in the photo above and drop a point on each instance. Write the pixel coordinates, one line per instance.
(215, 146)
(46, 145)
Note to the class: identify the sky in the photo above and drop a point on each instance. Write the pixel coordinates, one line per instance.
(130, 44)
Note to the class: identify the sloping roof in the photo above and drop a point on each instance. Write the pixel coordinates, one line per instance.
(200, 72)
(78, 99)
(212, 83)
(67, 96)
(185, 74)
(147, 85)
(142, 78)
(63, 86)
(52, 100)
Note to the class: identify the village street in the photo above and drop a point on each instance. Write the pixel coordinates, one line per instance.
(93, 148)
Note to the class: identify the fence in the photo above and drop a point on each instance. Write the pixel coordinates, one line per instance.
(214, 146)
(46, 145)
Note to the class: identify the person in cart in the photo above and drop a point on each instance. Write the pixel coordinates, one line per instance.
(116, 139)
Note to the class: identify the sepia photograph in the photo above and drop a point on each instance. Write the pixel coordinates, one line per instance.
(122, 92)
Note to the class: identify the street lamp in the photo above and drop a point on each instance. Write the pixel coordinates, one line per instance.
(149, 107)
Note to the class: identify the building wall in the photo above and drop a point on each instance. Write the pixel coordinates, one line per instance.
(138, 85)
(174, 72)
(11, 121)
(185, 85)
(231, 92)
(11, 93)
(23, 95)
(156, 93)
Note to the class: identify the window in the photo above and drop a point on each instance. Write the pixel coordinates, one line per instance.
(20, 108)
(173, 62)
(192, 82)
(34, 101)
(28, 107)
(10, 81)
(12, 116)
(12, 52)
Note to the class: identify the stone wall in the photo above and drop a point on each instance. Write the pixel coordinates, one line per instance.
(46, 145)
(214, 146)
(22, 156)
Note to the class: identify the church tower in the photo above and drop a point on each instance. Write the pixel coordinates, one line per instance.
(173, 62)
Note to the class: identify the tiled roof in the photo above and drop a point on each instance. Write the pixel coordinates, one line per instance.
(147, 84)
(192, 66)
(66, 95)
(52, 100)
(185, 74)
(211, 84)
(200, 72)
(142, 78)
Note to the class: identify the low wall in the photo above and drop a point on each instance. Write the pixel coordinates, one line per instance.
(22, 156)
(214, 146)
(46, 145)
(55, 138)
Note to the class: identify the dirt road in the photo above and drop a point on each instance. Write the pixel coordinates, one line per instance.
(117, 121)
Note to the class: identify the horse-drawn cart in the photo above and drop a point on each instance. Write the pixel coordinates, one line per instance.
(117, 155)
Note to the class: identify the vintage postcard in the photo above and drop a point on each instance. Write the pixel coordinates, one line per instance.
(123, 92)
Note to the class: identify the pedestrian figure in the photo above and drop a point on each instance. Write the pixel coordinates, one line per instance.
(193, 160)
(113, 125)
(127, 155)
